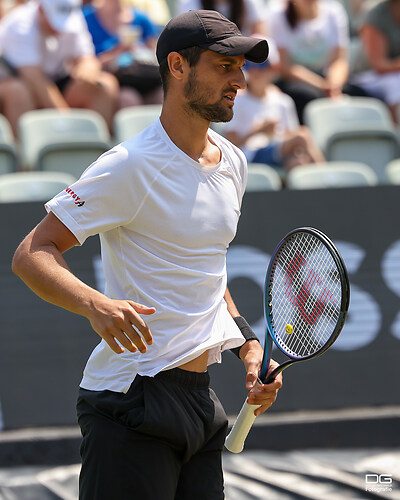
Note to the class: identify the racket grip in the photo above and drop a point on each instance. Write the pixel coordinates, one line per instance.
(236, 438)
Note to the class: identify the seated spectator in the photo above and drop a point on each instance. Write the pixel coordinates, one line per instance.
(50, 55)
(265, 124)
(380, 36)
(313, 40)
(246, 14)
(124, 40)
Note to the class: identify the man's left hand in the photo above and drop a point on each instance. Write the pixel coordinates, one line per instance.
(251, 353)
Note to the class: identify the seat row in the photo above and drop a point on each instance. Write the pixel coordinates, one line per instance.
(66, 141)
(41, 186)
(337, 174)
(357, 129)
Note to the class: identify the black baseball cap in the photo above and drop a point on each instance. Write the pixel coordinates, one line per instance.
(210, 30)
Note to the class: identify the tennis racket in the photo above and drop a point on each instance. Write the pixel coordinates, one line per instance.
(306, 299)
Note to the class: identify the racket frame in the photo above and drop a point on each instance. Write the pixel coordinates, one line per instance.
(270, 332)
(237, 436)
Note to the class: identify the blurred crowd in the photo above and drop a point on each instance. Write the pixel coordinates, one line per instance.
(104, 59)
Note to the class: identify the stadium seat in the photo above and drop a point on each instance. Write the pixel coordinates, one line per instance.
(262, 177)
(130, 121)
(8, 154)
(358, 129)
(63, 141)
(32, 186)
(393, 171)
(331, 175)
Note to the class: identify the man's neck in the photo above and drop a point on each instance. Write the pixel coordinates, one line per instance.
(189, 133)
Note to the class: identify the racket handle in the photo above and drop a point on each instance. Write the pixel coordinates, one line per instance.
(236, 438)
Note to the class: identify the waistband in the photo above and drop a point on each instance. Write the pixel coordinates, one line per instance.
(185, 378)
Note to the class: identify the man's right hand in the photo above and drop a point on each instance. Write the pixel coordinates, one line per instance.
(119, 323)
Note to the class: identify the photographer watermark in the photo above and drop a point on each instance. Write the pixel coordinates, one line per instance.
(378, 482)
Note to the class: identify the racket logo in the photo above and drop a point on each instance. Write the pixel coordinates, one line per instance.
(310, 316)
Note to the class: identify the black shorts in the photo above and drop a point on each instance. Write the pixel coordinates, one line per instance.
(63, 82)
(161, 440)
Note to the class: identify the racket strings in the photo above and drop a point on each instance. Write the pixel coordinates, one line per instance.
(304, 295)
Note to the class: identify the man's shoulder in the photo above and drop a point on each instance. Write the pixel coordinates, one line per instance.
(148, 145)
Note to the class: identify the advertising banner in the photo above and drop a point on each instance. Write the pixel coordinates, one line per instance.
(43, 349)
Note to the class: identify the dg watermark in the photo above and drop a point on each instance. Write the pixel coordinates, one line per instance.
(378, 482)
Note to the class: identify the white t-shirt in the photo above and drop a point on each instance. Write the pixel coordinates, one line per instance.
(165, 222)
(251, 111)
(253, 12)
(23, 44)
(311, 42)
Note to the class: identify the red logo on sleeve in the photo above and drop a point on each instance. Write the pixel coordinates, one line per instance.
(76, 198)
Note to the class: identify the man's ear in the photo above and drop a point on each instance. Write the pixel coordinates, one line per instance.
(178, 66)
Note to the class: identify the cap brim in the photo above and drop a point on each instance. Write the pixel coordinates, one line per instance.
(254, 49)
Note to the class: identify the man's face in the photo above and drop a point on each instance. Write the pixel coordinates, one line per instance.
(212, 86)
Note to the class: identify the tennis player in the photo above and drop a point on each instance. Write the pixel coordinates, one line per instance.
(166, 205)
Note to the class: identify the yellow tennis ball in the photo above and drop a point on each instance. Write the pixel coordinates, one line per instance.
(289, 329)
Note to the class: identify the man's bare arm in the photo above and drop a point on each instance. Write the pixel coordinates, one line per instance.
(39, 262)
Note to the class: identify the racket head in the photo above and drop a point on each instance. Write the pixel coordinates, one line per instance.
(306, 295)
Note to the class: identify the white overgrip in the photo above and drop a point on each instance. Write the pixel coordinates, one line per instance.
(236, 438)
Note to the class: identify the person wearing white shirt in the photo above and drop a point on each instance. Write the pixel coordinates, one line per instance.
(265, 123)
(48, 47)
(313, 41)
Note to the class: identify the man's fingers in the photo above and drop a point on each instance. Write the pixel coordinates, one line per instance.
(122, 327)
(138, 323)
(135, 325)
(262, 409)
(251, 379)
(141, 309)
(136, 339)
(116, 347)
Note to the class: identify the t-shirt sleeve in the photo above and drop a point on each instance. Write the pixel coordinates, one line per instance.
(105, 197)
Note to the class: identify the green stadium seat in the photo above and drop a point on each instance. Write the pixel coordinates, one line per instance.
(63, 141)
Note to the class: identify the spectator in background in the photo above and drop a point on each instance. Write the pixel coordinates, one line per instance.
(48, 49)
(265, 124)
(125, 40)
(246, 14)
(313, 40)
(380, 35)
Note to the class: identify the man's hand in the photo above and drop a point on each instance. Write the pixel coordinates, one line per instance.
(264, 395)
(120, 320)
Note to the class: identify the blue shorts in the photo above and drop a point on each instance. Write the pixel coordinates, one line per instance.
(271, 155)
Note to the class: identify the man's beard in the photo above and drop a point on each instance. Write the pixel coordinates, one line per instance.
(198, 101)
